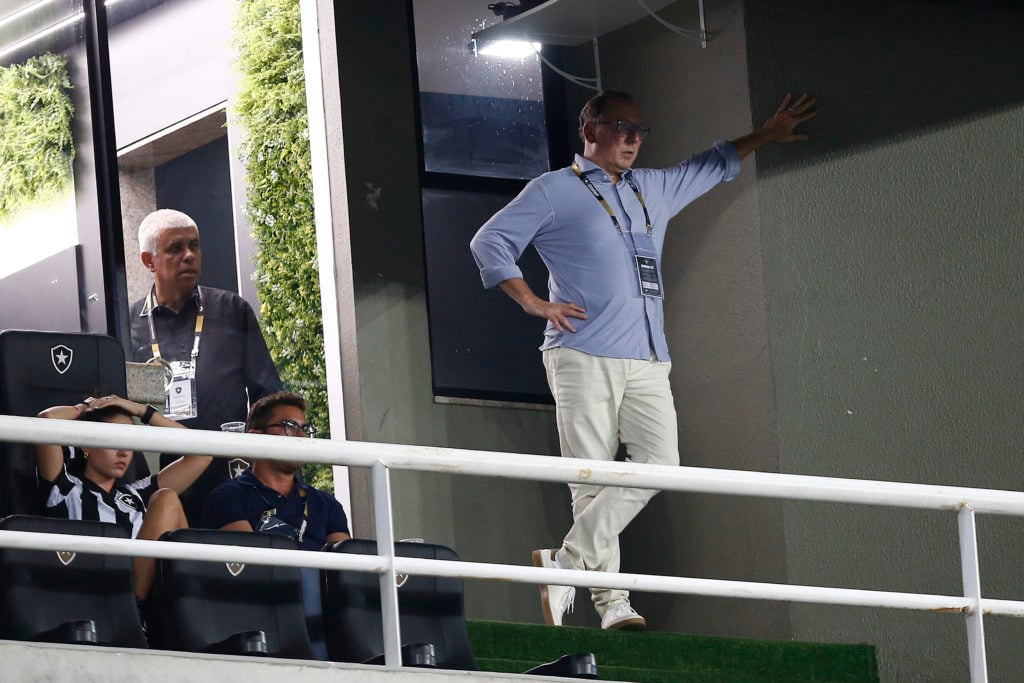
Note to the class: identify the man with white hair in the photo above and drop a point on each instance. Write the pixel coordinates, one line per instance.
(207, 340)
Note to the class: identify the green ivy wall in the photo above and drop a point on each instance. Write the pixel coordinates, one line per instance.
(35, 133)
(271, 108)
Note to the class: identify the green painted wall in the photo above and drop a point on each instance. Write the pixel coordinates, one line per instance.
(892, 263)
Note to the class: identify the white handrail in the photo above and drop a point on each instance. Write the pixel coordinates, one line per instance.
(516, 466)
(966, 502)
(479, 570)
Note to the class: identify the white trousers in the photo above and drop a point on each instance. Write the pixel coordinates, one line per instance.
(600, 402)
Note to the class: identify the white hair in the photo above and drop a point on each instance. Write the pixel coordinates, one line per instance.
(161, 219)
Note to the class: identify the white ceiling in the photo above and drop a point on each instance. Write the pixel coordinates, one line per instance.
(570, 22)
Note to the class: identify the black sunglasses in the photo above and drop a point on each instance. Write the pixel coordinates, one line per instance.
(625, 128)
(293, 428)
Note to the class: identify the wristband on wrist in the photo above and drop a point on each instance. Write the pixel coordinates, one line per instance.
(148, 415)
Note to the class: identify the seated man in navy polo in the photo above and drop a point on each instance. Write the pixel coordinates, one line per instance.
(270, 497)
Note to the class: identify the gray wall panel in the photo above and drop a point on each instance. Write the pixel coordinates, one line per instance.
(892, 265)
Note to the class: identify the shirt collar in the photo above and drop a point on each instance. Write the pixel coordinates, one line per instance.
(145, 302)
(247, 478)
(107, 496)
(588, 167)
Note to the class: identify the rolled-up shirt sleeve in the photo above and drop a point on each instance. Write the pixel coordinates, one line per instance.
(731, 157)
(498, 245)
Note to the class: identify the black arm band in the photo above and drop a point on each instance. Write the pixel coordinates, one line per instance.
(148, 415)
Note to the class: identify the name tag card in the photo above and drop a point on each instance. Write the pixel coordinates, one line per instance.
(181, 402)
(649, 277)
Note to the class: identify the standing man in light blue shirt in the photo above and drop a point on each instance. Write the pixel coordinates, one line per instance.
(599, 226)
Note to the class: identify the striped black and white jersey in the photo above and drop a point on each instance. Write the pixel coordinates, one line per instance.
(72, 497)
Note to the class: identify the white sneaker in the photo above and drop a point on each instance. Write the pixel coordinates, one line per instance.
(620, 615)
(554, 600)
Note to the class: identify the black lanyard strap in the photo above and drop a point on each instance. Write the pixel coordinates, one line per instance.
(272, 509)
(611, 214)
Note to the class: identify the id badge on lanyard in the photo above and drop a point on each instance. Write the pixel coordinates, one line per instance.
(648, 276)
(644, 253)
(648, 272)
(180, 402)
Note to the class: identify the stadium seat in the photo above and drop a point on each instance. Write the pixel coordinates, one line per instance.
(431, 613)
(431, 609)
(43, 369)
(67, 597)
(225, 607)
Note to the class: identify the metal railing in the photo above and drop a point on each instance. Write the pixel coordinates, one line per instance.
(381, 458)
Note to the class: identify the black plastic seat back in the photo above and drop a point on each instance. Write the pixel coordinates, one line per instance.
(41, 590)
(43, 369)
(430, 607)
(197, 605)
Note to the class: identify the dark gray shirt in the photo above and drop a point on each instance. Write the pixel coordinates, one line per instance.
(233, 368)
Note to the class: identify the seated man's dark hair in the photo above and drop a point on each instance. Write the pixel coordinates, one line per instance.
(261, 409)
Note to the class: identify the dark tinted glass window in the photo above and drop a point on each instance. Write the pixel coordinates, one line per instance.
(481, 115)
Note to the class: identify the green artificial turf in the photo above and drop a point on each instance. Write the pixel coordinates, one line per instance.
(654, 657)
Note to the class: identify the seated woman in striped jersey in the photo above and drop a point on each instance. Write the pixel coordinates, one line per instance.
(145, 508)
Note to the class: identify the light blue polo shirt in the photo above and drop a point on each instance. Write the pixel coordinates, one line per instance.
(589, 262)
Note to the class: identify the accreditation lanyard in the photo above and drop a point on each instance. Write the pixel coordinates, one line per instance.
(305, 513)
(646, 258)
(271, 521)
(611, 214)
(155, 345)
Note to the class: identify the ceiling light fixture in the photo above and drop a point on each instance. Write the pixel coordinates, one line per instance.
(509, 49)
